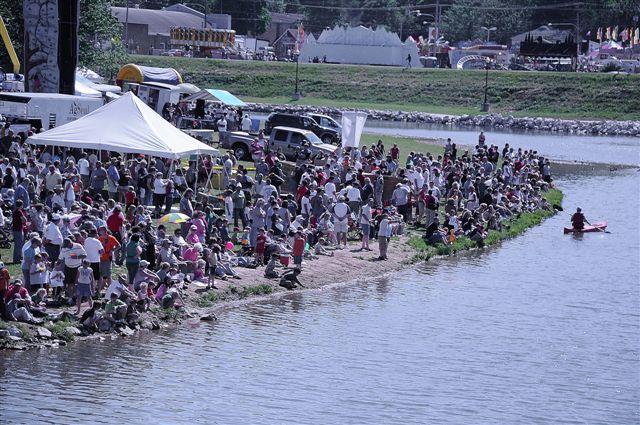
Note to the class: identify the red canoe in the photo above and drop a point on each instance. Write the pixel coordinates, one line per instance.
(594, 227)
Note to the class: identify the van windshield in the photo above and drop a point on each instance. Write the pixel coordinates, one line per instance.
(313, 139)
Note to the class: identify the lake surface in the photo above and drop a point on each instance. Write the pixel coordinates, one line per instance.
(544, 328)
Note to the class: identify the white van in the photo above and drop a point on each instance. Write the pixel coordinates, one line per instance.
(45, 110)
(157, 95)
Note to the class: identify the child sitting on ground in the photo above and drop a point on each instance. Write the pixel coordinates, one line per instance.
(143, 296)
(198, 273)
(270, 271)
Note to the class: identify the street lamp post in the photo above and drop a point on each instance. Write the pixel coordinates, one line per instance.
(418, 14)
(296, 93)
(551, 24)
(485, 105)
(488, 30)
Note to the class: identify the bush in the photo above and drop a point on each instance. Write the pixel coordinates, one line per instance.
(610, 67)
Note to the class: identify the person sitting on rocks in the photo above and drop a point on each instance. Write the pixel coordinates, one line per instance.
(90, 317)
(19, 309)
(115, 310)
(290, 280)
(434, 234)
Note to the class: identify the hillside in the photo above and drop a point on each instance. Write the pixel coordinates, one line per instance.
(548, 94)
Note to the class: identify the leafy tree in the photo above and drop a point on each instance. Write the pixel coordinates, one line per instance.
(11, 13)
(100, 47)
(464, 19)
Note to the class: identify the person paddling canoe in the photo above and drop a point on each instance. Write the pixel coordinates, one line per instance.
(578, 219)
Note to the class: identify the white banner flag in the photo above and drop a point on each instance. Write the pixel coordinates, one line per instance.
(352, 126)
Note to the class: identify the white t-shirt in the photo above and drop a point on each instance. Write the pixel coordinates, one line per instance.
(330, 189)
(340, 211)
(52, 233)
(83, 167)
(246, 124)
(365, 217)
(114, 287)
(93, 247)
(159, 187)
(222, 125)
(353, 194)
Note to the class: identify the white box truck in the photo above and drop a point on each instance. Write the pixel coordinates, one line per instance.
(45, 110)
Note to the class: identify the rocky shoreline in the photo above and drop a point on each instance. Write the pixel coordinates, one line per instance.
(498, 121)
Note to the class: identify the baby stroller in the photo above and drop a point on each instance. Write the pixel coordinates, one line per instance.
(354, 232)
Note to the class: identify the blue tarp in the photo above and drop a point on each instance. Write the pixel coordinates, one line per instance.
(217, 96)
(226, 97)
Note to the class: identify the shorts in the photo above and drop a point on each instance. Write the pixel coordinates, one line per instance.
(105, 269)
(70, 275)
(297, 260)
(96, 270)
(340, 226)
(83, 290)
(366, 228)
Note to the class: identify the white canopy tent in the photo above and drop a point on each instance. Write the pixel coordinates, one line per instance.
(125, 125)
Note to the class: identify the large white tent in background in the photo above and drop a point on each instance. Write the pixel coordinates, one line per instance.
(125, 125)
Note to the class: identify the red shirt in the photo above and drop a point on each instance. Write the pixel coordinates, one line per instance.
(4, 279)
(130, 198)
(261, 242)
(115, 222)
(19, 220)
(13, 289)
(395, 153)
(298, 246)
(301, 192)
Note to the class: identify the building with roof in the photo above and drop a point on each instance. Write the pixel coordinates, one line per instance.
(277, 32)
(149, 30)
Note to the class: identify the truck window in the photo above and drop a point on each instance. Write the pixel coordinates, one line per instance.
(296, 138)
(280, 135)
(306, 122)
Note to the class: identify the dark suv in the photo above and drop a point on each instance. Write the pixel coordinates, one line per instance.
(305, 122)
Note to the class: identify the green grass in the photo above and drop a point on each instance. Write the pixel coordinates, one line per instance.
(511, 228)
(58, 330)
(549, 94)
(212, 296)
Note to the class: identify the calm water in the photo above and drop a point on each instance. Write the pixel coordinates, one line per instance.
(542, 329)
(603, 149)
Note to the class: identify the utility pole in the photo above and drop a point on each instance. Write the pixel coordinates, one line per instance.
(126, 28)
(578, 38)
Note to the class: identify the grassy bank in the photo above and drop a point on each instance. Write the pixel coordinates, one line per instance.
(511, 228)
(548, 94)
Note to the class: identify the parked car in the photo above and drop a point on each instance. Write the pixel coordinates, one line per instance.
(326, 134)
(188, 123)
(327, 121)
(285, 140)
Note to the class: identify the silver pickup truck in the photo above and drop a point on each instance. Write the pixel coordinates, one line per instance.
(284, 140)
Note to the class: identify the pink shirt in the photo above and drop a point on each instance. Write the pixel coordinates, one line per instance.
(190, 254)
(193, 238)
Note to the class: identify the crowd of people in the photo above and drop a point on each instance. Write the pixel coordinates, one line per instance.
(88, 232)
